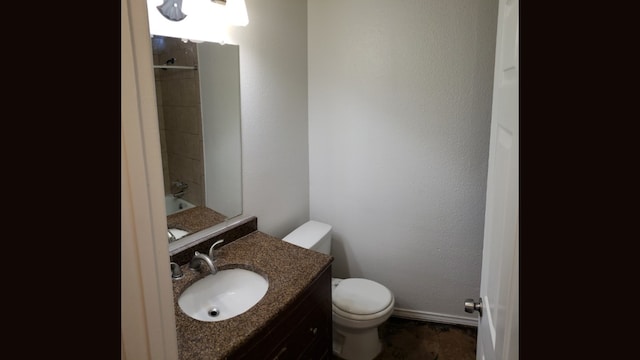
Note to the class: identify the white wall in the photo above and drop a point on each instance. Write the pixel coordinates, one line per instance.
(220, 86)
(273, 83)
(399, 116)
(399, 104)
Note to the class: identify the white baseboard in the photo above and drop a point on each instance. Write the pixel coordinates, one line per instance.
(435, 317)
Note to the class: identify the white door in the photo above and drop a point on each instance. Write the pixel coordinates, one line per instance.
(498, 327)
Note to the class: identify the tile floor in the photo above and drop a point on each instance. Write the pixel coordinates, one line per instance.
(418, 340)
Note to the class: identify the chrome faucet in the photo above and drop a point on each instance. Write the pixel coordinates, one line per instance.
(212, 252)
(198, 258)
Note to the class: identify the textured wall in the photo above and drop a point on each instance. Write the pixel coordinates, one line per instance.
(273, 85)
(399, 115)
(394, 153)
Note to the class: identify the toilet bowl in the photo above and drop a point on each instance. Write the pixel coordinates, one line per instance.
(359, 305)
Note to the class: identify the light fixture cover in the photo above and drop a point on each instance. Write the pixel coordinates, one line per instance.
(204, 20)
(172, 10)
(237, 12)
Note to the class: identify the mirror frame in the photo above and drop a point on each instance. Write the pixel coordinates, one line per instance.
(203, 235)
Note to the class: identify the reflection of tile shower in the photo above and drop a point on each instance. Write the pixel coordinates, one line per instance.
(179, 114)
(179, 188)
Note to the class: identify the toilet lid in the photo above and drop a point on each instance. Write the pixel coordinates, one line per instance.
(361, 296)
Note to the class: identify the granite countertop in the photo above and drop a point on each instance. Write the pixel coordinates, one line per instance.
(195, 219)
(289, 268)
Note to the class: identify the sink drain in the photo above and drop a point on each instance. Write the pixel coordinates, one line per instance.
(213, 312)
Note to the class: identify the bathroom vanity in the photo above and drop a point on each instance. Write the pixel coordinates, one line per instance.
(292, 320)
(301, 331)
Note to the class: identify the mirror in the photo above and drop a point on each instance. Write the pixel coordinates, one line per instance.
(198, 97)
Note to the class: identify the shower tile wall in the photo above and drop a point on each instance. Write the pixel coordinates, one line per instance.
(178, 98)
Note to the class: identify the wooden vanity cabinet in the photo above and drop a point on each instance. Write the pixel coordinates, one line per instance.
(302, 332)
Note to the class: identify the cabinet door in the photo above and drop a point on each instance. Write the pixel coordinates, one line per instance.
(311, 337)
(306, 338)
(302, 329)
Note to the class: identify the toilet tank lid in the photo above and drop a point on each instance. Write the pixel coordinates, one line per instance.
(307, 234)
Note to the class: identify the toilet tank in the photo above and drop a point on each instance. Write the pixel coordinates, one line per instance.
(312, 235)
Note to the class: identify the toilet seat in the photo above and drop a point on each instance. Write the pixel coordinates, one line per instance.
(361, 299)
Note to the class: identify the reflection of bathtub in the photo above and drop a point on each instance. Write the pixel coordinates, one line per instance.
(175, 205)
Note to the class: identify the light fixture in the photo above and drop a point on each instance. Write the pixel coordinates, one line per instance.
(172, 10)
(196, 20)
(237, 13)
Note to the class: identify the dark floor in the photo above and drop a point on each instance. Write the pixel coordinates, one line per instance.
(418, 340)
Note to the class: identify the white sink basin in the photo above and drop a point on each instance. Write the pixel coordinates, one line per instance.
(177, 233)
(224, 295)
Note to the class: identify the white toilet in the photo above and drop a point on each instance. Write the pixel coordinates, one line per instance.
(359, 305)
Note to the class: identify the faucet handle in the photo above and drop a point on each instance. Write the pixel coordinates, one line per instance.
(212, 250)
(180, 185)
(194, 265)
(176, 272)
